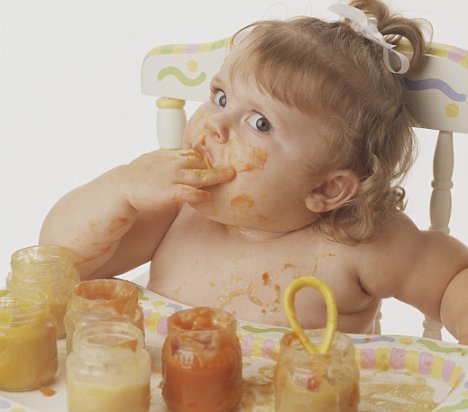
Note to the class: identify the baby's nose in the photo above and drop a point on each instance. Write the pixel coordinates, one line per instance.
(217, 130)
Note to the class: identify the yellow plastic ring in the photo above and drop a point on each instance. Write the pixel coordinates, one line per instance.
(290, 310)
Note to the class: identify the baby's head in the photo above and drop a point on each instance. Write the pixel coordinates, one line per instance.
(331, 72)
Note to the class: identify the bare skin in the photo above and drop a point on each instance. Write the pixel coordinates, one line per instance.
(226, 222)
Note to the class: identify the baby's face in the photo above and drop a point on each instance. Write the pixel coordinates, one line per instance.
(273, 149)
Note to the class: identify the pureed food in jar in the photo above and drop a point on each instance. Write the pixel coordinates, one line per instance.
(49, 269)
(320, 382)
(99, 300)
(108, 369)
(202, 361)
(28, 340)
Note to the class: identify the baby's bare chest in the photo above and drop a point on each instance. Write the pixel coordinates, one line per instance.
(213, 268)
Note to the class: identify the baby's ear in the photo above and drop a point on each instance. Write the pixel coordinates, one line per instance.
(336, 188)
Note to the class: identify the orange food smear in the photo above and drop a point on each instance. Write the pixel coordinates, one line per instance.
(242, 202)
(245, 159)
(48, 391)
(266, 279)
(131, 344)
(119, 295)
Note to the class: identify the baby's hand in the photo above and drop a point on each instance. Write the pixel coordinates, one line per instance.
(158, 179)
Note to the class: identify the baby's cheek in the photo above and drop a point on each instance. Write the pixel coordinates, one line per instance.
(193, 132)
(198, 119)
(243, 157)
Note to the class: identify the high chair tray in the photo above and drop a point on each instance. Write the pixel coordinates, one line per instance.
(397, 372)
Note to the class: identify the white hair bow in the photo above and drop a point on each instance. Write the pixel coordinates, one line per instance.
(368, 28)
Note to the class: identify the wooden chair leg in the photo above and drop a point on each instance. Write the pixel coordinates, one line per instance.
(441, 205)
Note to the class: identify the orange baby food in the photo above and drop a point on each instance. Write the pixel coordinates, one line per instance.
(99, 300)
(28, 346)
(202, 362)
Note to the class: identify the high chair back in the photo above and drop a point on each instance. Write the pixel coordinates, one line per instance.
(438, 93)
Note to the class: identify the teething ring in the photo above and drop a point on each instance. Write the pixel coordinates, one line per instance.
(290, 311)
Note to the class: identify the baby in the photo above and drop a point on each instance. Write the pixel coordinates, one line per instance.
(291, 168)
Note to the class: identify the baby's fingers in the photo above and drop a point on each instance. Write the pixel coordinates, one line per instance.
(183, 193)
(192, 161)
(206, 177)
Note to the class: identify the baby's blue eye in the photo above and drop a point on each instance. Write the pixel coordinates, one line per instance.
(220, 98)
(257, 121)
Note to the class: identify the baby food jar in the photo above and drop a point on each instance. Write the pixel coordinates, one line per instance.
(316, 382)
(108, 369)
(49, 269)
(99, 300)
(201, 361)
(28, 340)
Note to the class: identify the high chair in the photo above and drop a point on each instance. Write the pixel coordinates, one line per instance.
(179, 72)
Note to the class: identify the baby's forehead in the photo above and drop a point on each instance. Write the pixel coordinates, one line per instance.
(282, 83)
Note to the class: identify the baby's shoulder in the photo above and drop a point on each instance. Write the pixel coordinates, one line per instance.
(396, 232)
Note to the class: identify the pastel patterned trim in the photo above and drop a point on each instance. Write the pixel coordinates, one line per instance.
(190, 48)
(452, 53)
(423, 363)
(444, 51)
(424, 357)
(263, 342)
(10, 406)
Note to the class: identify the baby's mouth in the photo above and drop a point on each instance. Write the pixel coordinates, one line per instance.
(201, 148)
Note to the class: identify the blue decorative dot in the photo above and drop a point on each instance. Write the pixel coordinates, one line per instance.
(175, 306)
(4, 404)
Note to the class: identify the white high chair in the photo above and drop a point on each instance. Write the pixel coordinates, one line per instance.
(176, 73)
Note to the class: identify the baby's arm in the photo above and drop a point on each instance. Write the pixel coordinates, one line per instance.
(426, 269)
(449, 274)
(454, 307)
(116, 222)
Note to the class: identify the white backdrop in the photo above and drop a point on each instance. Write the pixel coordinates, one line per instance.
(71, 106)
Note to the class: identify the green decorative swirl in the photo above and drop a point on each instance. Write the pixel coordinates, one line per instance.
(429, 344)
(253, 329)
(174, 71)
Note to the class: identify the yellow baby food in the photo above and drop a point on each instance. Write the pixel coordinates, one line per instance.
(108, 370)
(28, 347)
(49, 269)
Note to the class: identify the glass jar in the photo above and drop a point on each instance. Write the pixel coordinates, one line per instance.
(108, 369)
(49, 269)
(28, 340)
(316, 382)
(201, 361)
(99, 300)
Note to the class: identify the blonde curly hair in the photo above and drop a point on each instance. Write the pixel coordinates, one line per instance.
(330, 71)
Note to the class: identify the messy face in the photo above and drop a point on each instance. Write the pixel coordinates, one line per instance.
(274, 148)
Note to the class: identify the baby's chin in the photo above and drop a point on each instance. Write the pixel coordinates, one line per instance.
(221, 214)
(240, 227)
(212, 211)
